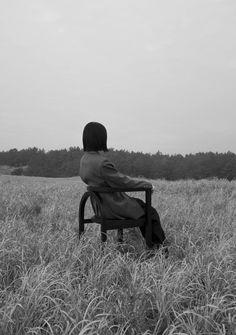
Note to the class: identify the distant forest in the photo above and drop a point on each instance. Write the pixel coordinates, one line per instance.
(65, 163)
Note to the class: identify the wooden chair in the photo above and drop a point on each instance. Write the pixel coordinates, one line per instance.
(119, 224)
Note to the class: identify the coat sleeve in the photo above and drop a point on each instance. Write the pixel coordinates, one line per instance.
(116, 179)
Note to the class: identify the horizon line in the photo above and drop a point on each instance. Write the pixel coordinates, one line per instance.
(126, 150)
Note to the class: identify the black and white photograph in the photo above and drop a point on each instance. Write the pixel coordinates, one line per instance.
(117, 167)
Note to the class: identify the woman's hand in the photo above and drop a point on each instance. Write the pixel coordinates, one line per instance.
(149, 186)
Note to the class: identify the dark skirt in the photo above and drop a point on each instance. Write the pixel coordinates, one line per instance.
(158, 235)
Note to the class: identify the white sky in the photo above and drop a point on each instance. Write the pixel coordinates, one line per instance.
(159, 74)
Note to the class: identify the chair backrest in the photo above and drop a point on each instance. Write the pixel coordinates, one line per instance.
(116, 189)
(148, 193)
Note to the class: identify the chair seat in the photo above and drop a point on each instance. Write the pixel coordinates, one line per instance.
(110, 224)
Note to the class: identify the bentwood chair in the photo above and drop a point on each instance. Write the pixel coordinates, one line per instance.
(118, 224)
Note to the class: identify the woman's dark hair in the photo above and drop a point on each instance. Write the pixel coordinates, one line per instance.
(94, 137)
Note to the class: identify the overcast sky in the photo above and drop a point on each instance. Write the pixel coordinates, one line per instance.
(159, 74)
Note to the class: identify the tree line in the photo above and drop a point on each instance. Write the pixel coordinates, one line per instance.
(65, 163)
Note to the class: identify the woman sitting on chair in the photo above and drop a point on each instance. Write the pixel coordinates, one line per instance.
(97, 171)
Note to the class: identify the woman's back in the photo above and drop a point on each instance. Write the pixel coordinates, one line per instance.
(96, 170)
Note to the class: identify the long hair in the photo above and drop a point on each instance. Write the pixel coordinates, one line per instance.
(94, 137)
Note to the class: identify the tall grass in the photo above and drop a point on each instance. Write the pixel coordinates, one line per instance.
(52, 283)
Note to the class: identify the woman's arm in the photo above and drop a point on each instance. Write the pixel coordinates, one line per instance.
(115, 178)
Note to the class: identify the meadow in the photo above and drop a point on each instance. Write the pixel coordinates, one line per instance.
(52, 283)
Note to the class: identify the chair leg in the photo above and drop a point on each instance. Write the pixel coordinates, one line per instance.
(103, 234)
(81, 228)
(148, 230)
(81, 212)
(120, 235)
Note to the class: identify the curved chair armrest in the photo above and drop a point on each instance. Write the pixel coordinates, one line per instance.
(89, 194)
(86, 195)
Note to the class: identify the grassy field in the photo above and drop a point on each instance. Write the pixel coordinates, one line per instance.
(51, 283)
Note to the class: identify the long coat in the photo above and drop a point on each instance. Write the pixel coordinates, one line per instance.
(97, 170)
